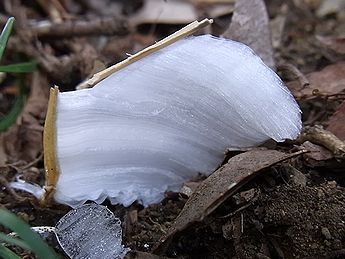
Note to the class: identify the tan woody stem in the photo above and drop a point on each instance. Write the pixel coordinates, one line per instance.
(184, 32)
(49, 147)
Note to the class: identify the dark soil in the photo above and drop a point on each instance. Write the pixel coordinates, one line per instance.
(280, 221)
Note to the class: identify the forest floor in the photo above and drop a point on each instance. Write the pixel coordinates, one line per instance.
(294, 209)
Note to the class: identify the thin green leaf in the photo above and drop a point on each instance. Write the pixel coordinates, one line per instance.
(14, 241)
(5, 34)
(7, 253)
(24, 67)
(32, 239)
(11, 117)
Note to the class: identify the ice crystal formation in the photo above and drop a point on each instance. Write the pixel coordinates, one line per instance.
(167, 118)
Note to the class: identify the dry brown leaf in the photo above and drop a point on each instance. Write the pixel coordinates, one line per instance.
(336, 44)
(179, 11)
(220, 185)
(165, 12)
(336, 123)
(328, 81)
(250, 25)
(328, 7)
(23, 141)
(316, 153)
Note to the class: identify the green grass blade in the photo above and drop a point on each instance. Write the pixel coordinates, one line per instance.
(13, 241)
(11, 117)
(5, 34)
(24, 67)
(32, 239)
(7, 253)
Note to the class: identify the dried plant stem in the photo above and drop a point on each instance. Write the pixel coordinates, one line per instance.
(103, 26)
(49, 147)
(295, 73)
(184, 32)
(325, 138)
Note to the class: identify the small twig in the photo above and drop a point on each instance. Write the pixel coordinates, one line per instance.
(336, 96)
(184, 32)
(53, 8)
(61, 9)
(295, 73)
(315, 117)
(157, 224)
(325, 138)
(17, 169)
(102, 26)
(33, 162)
(231, 214)
(28, 165)
(10, 190)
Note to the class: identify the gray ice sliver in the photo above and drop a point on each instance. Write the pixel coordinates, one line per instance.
(90, 231)
(166, 118)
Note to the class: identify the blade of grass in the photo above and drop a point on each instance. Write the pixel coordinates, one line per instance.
(13, 241)
(16, 109)
(24, 67)
(7, 253)
(11, 117)
(32, 239)
(5, 34)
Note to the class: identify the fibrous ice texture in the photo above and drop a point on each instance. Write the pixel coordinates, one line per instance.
(166, 118)
(91, 231)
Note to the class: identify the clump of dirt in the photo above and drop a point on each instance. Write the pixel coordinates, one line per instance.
(151, 222)
(306, 221)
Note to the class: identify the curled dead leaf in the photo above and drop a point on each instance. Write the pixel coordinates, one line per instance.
(316, 152)
(328, 81)
(336, 123)
(336, 44)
